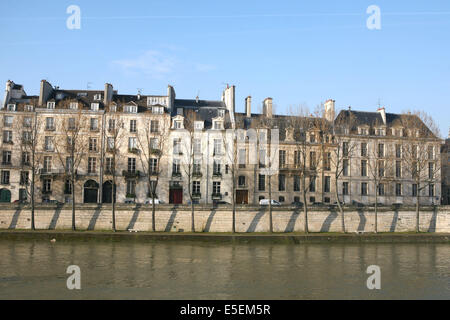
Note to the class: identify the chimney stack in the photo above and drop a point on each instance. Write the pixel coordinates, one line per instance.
(248, 106)
(267, 107)
(329, 110)
(382, 112)
(108, 94)
(45, 92)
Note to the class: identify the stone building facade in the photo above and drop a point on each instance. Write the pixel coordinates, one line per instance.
(185, 149)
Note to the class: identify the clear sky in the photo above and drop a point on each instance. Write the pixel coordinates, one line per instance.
(297, 52)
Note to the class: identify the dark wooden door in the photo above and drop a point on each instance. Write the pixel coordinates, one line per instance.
(241, 197)
(176, 196)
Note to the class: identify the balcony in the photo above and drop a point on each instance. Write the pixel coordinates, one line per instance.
(50, 172)
(217, 175)
(155, 152)
(154, 172)
(176, 174)
(50, 128)
(134, 150)
(131, 174)
(216, 196)
(196, 195)
(197, 174)
(6, 163)
(8, 142)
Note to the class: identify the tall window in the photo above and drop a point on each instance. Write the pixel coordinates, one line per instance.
(153, 165)
(281, 182)
(47, 186)
(24, 177)
(111, 124)
(380, 150)
(94, 124)
(47, 164)
(414, 190)
(364, 149)
(363, 168)
(282, 158)
(430, 170)
(216, 187)
(131, 189)
(261, 182)
(345, 167)
(431, 190)
(176, 166)
(217, 146)
(8, 121)
(197, 146)
(327, 161)
(49, 123)
(216, 167)
(381, 168)
(345, 149)
(131, 165)
(312, 160)
(72, 124)
(6, 157)
(430, 152)
(25, 158)
(7, 136)
(364, 188)
(49, 144)
(69, 164)
(398, 169)
(109, 165)
(345, 188)
(132, 143)
(177, 146)
(197, 166)
(327, 185)
(241, 181)
(296, 183)
(262, 158)
(132, 125)
(297, 158)
(93, 144)
(381, 189)
(196, 187)
(398, 189)
(312, 184)
(154, 126)
(242, 158)
(92, 165)
(398, 151)
(5, 176)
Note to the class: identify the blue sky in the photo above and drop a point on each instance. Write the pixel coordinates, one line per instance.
(297, 52)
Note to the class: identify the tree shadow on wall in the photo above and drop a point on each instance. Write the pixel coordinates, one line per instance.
(433, 221)
(171, 221)
(326, 226)
(256, 219)
(210, 220)
(15, 219)
(290, 227)
(55, 217)
(94, 218)
(135, 216)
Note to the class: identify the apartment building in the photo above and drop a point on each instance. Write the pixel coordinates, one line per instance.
(190, 150)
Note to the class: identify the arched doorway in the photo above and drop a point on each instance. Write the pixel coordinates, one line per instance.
(90, 191)
(107, 192)
(5, 195)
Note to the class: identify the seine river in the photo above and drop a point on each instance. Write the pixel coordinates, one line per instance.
(138, 270)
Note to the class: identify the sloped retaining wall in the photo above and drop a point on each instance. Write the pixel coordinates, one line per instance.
(209, 219)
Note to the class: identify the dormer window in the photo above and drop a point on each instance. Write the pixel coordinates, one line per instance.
(221, 113)
(130, 109)
(28, 108)
(73, 105)
(379, 132)
(11, 107)
(179, 111)
(177, 124)
(113, 108)
(97, 97)
(198, 125)
(363, 131)
(218, 125)
(94, 106)
(50, 105)
(157, 110)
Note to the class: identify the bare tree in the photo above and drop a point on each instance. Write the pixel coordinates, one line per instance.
(343, 150)
(420, 154)
(71, 146)
(114, 144)
(189, 158)
(31, 158)
(152, 142)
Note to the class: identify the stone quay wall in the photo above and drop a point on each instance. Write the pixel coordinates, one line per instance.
(219, 219)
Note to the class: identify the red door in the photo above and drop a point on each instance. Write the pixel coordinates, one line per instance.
(176, 196)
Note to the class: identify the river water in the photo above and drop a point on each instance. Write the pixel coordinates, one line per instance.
(172, 270)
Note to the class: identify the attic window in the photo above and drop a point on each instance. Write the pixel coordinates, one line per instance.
(50, 105)
(28, 108)
(177, 124)
(157, 110)
(11, 107)
(97, 97)
(130, 109)
(81, 94)
(180, 111)
(198, 125)
(59, 96)
(218, 125)
(94, 106)
(221, 113)
(73, 105)
(363, 131)
(113, 108)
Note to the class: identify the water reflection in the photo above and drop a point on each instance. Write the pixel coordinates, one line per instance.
(37, 270)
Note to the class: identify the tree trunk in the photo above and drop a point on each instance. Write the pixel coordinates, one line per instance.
(305, 207)
(418, 209)
(73, 206)
(192, 216)
(376, 208)
(153, 213)
(270, 205)
(32, 200)
(341, 211)
(113, 202)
